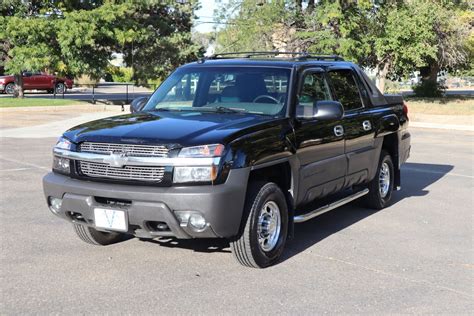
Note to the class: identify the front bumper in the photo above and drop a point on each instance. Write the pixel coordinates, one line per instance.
(221, 205)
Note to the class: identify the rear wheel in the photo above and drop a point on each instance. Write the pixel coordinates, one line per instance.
(60, 88)
(10, 88)
(95, 237)
(263, 236)
(381, 187)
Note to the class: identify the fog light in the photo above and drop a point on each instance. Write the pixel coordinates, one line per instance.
(191, 219)
(55, 204)
(197, 221)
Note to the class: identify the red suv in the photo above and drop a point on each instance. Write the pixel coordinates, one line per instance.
(36, 81)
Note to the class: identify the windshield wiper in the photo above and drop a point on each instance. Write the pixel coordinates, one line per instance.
(166, 109)
(223, 109)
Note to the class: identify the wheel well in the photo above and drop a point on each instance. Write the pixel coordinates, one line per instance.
(279, 174)
(390, 144)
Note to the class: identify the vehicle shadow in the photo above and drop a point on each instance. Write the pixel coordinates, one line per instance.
(416, 177)
(208, 245)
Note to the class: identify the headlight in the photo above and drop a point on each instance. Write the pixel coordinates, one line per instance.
(194, 174)
(61, 165)
(201, 173)
(63, 143)
(203, 151)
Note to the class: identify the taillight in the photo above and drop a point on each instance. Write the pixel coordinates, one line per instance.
(405, 108)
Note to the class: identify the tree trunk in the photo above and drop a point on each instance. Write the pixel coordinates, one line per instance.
(382, 72)
(299, 5)
(310, 6)
(19, 93)
(430, 72)
(434, 69)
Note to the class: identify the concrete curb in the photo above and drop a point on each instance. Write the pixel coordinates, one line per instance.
(55, 108)
(442, 126)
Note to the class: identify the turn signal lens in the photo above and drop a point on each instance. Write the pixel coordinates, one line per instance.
(63, 143)
(203, 151)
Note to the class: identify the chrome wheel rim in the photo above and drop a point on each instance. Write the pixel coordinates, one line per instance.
(10, 89)
(384, 180)
(59, 88)
(269, 226)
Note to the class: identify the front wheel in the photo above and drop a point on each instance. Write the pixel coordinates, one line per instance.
(95, 237)
(10, 88)
(381, 187)
(263, 235)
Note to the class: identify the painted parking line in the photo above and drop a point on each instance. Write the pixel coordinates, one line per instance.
(437, 172)
(15, 169)
(32, 165)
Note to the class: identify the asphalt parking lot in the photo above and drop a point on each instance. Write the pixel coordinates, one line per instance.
(415, 256)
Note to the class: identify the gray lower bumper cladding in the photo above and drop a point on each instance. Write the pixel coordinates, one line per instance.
(149, 207)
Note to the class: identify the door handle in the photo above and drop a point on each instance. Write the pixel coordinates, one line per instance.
(366, 125)
(338, 130)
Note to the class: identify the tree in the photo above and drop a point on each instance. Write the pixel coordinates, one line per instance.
(393, 37)
(79, 37)
(252, 27)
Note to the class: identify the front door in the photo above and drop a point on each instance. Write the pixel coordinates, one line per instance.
(320, 144)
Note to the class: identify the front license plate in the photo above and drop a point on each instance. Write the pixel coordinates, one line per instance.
(110, 219)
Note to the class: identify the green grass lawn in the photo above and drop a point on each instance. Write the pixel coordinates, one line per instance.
(14, 102)
(441, 106)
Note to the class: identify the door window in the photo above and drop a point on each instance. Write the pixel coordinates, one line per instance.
(314, 88)
(346, 89)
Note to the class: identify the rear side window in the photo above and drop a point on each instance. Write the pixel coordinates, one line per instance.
(346, 89)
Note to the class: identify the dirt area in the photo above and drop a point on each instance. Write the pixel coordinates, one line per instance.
(32, 116)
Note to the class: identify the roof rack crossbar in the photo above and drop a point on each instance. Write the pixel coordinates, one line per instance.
(298, 55)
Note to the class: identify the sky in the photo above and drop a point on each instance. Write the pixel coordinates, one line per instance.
(205, 14)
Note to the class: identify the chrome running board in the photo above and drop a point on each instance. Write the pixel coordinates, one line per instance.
(326, 208)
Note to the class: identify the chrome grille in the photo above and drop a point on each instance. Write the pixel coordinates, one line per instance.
(99, 170)
(129, 149)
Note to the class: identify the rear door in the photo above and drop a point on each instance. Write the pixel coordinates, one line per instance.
(28, 82)
(42, 80)
(320, 144)
(358, 124)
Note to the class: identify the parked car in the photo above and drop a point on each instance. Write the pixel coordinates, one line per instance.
(36, 81)
(236, 148)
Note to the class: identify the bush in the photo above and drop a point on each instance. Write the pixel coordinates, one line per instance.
(120, 74)
(429, 88)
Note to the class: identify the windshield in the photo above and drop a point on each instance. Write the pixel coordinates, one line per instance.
(255, 90)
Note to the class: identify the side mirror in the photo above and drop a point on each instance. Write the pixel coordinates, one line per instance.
(137, 104)
(328, 110)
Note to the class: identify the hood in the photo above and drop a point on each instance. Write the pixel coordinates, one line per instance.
(177, 128)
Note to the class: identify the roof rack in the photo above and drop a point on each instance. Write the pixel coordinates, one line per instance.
(297, 55)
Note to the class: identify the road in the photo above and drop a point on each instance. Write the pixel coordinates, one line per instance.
(414, 257)
(118, 93)
(109, 93)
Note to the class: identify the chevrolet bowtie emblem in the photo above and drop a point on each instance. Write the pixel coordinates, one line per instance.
(117, 159)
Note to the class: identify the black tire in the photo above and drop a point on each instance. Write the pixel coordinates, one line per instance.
(376, 199)
(59, 87)
(10, 88)
(95, 237)
(246, 246)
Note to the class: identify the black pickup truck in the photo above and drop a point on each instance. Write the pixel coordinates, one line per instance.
(236, 147)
